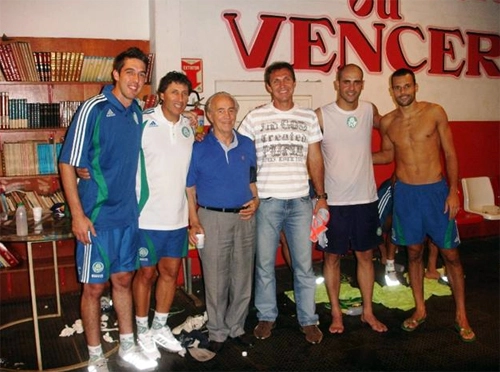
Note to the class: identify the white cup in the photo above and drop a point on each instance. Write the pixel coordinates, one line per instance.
(37, 214)
(200, 241)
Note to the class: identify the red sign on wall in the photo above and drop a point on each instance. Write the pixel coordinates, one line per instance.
(193, 68)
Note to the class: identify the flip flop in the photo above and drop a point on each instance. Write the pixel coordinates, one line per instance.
(465, 334)
(409, 325)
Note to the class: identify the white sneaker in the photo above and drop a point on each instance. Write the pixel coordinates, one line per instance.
(164, 338)
(135, 358)
(191, 323)
(99, 365)
(148, 346)
(391, 279)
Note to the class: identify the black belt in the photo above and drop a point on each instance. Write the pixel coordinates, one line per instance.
(224, 210)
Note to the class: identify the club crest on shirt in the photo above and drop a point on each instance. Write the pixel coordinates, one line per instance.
(352, 121)
(186, 132)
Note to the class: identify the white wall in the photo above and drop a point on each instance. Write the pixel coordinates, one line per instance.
(109, 19)
(195, 29)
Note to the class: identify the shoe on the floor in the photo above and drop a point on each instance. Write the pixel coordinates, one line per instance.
(135, 358)
(465, 334)
(409, 325)
(313, 334)
(148, 345)
(215, 346)
(391, 278)
(245, 340)
(191, 323)
(99, 365)
(263, 329)
(443, 279)
(164, 338)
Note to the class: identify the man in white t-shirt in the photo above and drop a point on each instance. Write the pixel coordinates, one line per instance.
(167, 142)
(287, 139)
(347, 127)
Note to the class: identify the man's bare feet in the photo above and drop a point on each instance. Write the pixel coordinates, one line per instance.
(432, 274)
(373, 322)
(337, 325)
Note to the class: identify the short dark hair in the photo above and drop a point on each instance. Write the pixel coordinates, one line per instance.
(174, 77)
(132, 52)
(277, 66)
(403, 72)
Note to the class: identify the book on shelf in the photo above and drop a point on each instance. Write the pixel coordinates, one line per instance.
(29, 61)
(8, 63)
(67, 110)
(20, 158)
(18, 113)
(4, 110)
(30, 199)
(55, 60)
(17, 61)
(30, 158)
(43, 65)
(47, 155)
(8, 257)
(77, 66)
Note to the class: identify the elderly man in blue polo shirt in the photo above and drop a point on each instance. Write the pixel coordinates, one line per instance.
(222, 198)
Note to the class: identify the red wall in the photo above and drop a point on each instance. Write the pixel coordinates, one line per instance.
(477, 144)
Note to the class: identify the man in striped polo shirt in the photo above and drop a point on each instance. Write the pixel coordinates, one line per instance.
(287, 139)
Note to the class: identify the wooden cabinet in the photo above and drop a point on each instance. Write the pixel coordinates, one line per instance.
(14, 281)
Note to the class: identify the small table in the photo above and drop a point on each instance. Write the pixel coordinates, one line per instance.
(47, 230)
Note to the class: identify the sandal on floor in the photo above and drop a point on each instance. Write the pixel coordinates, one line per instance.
(466, 335)
(409, 325)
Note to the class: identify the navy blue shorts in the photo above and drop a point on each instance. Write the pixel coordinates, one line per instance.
(111, 251)
(156, 244)
(385, 205)
(353, 227)
(419, 212)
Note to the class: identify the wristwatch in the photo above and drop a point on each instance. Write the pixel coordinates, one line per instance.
(321, 196)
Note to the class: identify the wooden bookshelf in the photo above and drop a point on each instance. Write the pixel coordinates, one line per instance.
(14, 281)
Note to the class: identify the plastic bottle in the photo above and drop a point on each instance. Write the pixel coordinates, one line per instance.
(21, 220)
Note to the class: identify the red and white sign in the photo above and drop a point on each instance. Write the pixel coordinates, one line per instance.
(193, 68)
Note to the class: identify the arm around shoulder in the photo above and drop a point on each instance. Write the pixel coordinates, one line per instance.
(386, 154)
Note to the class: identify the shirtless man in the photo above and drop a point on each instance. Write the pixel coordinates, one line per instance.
(347, 125)
(424, 204)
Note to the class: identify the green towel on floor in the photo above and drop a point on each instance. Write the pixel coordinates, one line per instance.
(398, 297)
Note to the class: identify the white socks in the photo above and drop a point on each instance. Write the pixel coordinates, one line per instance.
(95, 353)
(159, 320)
(389, 266)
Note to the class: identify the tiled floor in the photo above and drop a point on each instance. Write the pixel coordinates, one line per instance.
(435, 346)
